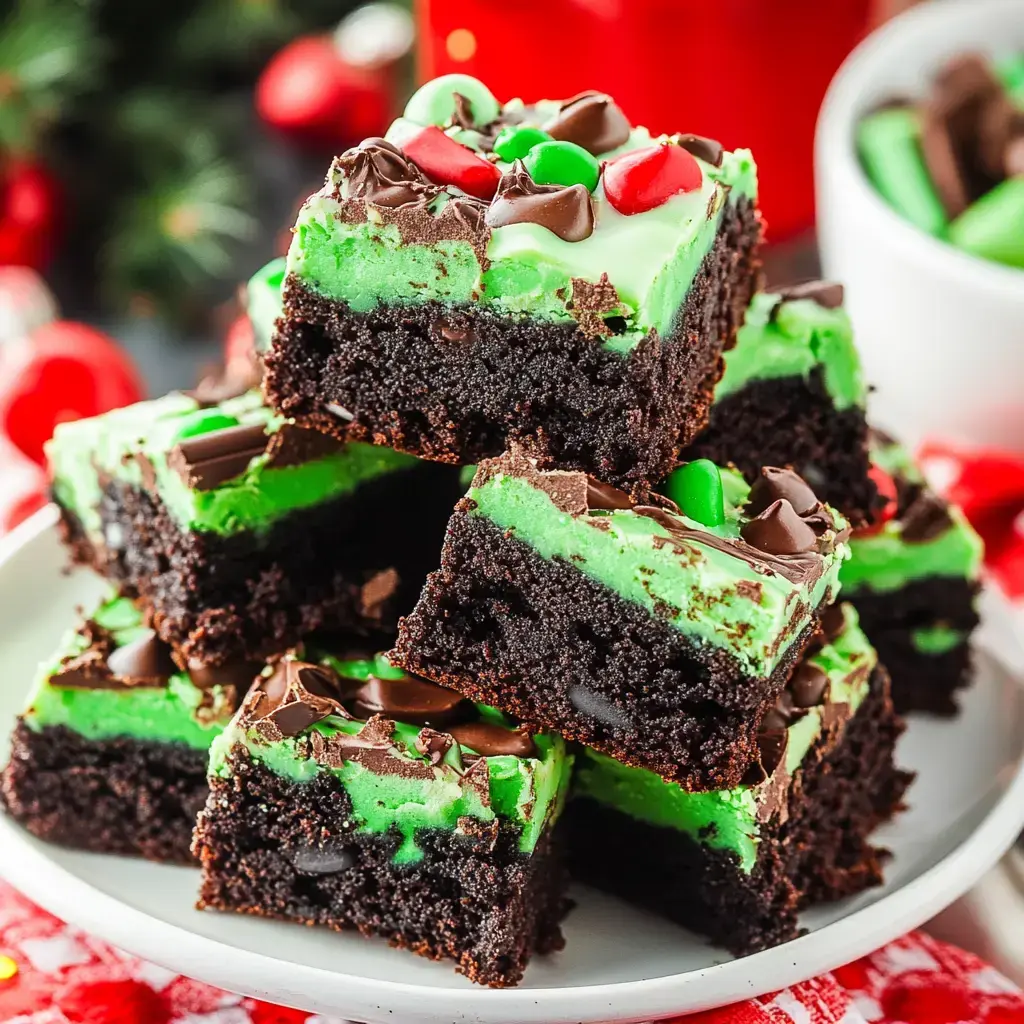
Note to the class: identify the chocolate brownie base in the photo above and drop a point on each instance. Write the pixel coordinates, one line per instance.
(541, 641)
(921, 682)
(215, 598)
(820, 853)
(120, 795)
(277, 848)
(459, 384)
(792, 421)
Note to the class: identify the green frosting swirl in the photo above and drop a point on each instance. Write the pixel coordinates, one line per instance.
(83, 452)
(789, 339)
(730, 819)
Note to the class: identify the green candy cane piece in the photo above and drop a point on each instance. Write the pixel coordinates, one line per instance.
(516, 140)
(697, 489)
(889, 147)
(993, 227)
(562, 163)
(434, 102)
(205, 421)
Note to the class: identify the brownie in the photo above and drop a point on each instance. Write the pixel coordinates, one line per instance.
(738, 865)
(452, 292)
(914, 577)
(350, 795)
(239, 532)
(658, 635)
(793, 394)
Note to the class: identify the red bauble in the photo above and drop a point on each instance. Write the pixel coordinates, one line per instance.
(887, 490)
(30, 214)
(448, 163)
(62, 371)
(309, 92)
(645, 178)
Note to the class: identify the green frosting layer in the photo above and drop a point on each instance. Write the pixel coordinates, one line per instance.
(711, 594)
(730, 819)
(651, 258)
(264, 301)
(937, 639)
(790, 339)
(81, 453)
(159, 714)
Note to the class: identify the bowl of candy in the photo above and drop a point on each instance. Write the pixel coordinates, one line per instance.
(920, 189)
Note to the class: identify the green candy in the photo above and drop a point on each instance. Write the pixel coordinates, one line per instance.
(205, 421)
(434, 102)
(516, 140)
(562, 163)
(993, 227)
(889, 147)
(697, 489)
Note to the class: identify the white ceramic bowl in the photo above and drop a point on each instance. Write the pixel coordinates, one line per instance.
(941, 332)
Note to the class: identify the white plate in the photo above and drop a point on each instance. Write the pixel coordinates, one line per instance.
(619, 964)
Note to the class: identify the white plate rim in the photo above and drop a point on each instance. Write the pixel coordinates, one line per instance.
(60, 892)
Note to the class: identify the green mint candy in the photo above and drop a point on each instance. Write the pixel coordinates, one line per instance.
(993, 226)
(516, 140)
(434, 102)
(697, 489)
(562, 163)
(205, 421)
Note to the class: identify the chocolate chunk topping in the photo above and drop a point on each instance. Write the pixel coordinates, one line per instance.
(292, 445)
(378, 172)
(293, 697)
(491, 740)
(772, 748)
(144, 662)
(592, 120)
(565, 211)
(708, 150)
(463, 116)
(927, 518)
(833, 622)
(209, 460)
(433, 744)
(238, 673)
(808, 685)
(604, 496)
(593, 303)
(827, 294)
(775, 483)
(409, 700)
(778, 530)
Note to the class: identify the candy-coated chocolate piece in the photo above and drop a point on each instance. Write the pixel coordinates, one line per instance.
(435, 102)
(514, 141)
(446, 162)
(697, 489)
(889, 146)
(643, 179)
(203, 421)
(562, 163)
(993, 226)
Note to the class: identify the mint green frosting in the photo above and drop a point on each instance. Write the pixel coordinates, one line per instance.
(159, 714)
(730, 819)
(84, 450)
(704, 593)
(789, 339)
(264, 302)
(937, 639)
(651, 258)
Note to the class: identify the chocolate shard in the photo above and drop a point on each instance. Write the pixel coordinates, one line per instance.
(433, 744)
(775, 483)
(144, 662)
(380, 173)
(927, 518)
(411, 700)
(772, 749)
(708, 150)
(604, 496)
(592, 120)
(296, 695)
(489, 739)
(808, 686)
(209, 460)
(566, 211)
(827, 294)
(292, 445)
(778, 530)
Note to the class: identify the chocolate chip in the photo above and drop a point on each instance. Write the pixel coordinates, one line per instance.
(433, 744)
(294, 696)
(491, 740)
(409, 700)
(144, 662)
(775, 483)
(833, 622)
(326, 859)
(708, 150)
(378, 172)
(927, 518)
(209, 460)
(827, 294)
(772, 748)
(567, 212)
(808, 685)
(778, 530)
(604, 496)
(592, 120)
(238, 673)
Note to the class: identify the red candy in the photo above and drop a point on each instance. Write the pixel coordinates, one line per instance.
(643, 179)
(63, 371)
(446, 162)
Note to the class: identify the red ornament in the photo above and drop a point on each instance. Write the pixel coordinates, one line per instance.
(445, 161)
(309, 92)
(30, 214)
(643, 179)
(62, 371)
(112, 1002)
(887, 490)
